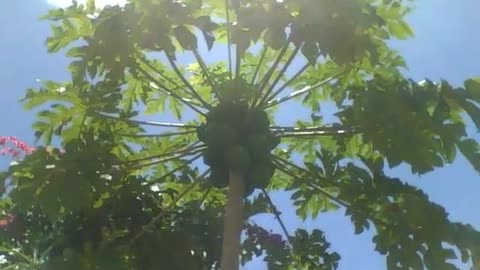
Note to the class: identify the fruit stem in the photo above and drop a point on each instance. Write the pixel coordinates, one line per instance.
(233, 222)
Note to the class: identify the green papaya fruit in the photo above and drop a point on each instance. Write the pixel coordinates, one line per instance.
(213, 157)
(243, 107)
(220, 134)
(259, 123)
(233, 114)
(258, 143)
(259, 176)
(273, 141)
(238, 158)
(202, 133)
(212, 115)
(217, 114)
(219, 177)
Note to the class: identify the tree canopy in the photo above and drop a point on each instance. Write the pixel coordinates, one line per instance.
(108, 188)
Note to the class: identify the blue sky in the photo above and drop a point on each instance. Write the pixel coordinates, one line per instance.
(446, 46)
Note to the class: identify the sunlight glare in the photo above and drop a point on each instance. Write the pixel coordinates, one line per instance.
(98, 3)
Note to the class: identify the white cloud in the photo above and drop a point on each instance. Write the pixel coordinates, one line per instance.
(98, 3)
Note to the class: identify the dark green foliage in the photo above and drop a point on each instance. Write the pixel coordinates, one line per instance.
(306, 251)
(219, 176)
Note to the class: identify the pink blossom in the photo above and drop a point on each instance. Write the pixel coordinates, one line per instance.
(10, 145)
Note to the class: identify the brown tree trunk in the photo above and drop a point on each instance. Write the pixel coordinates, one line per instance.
(233, 223)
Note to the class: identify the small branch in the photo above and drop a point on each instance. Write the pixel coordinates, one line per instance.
(302, 91)
(149, 123)
(277, 214)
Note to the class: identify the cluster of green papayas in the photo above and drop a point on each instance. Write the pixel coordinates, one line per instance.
(238, 140)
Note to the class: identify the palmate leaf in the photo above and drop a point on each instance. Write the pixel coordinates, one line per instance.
(396, 113)
(409, 228)
(65, 106)
(135, 94)
(69, 107)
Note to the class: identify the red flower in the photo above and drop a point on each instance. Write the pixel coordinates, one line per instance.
(5, 221)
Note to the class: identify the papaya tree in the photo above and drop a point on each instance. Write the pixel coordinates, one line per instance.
(115, 183)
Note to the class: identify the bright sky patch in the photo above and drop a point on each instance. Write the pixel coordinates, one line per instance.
(98, 3)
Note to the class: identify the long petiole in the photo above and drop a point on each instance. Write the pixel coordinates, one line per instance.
(168, 134)
(270, 72)
(187, 149)
(189, 153)
(281, 168)
(190, 161)
(280, 75)
(257, 69)
(287, 83)
(302, 91)
(185, 81)
(170, 80)
(141, 122)
(313, 131)
(205, 71)
(173, 94)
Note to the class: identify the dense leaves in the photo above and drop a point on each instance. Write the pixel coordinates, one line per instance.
(306, 251)
(111, 189)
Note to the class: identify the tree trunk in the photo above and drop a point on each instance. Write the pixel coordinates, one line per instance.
(233, 223)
